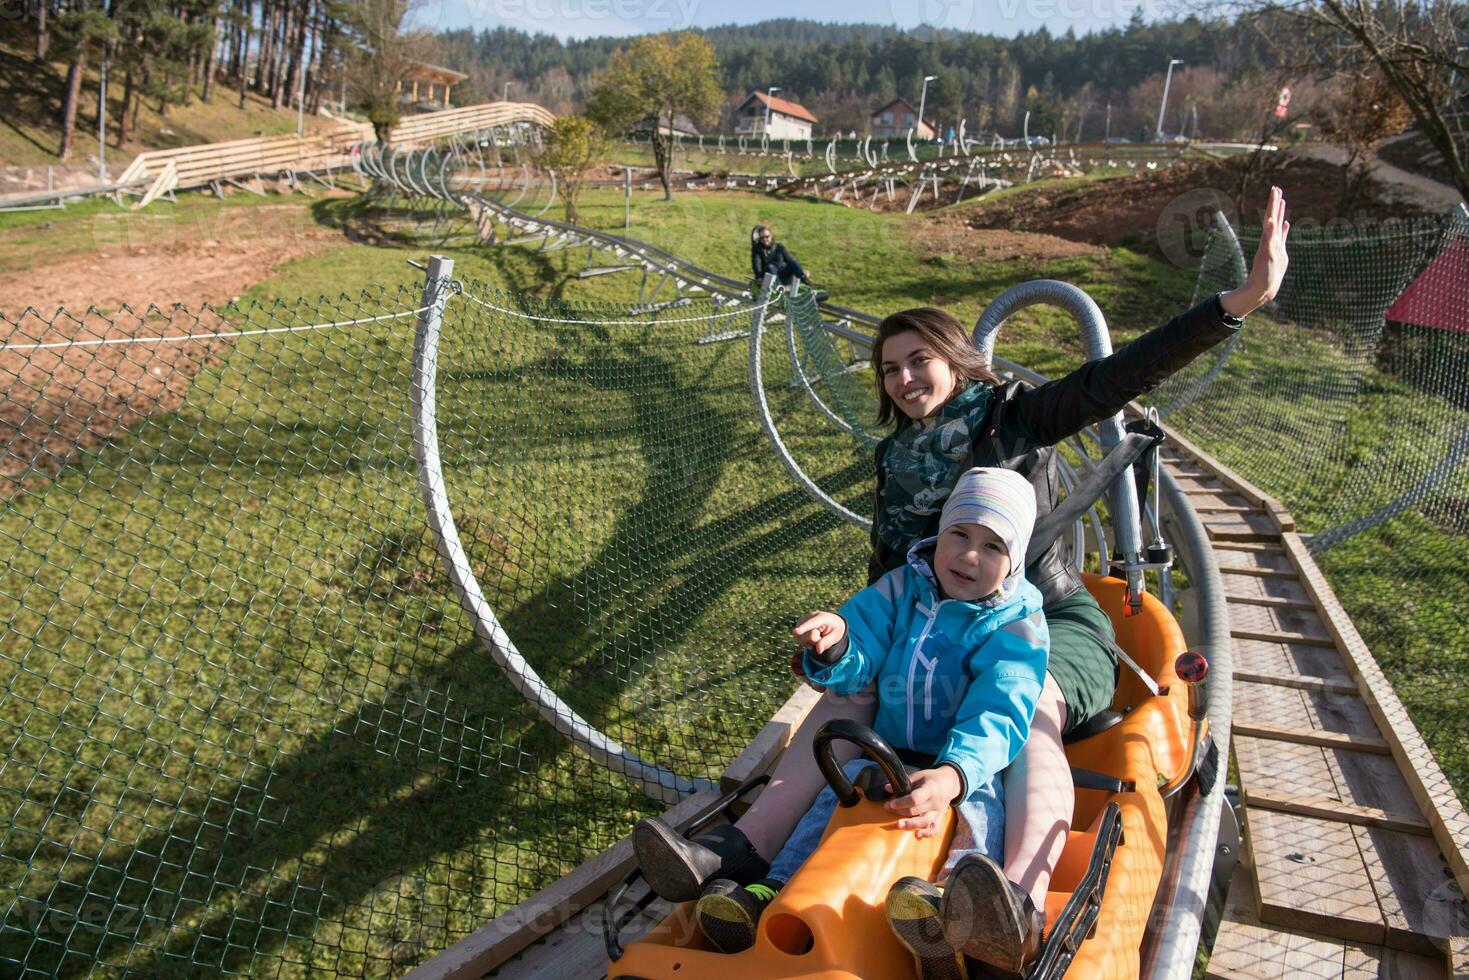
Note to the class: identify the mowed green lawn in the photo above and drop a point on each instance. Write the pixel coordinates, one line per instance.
(251, 729)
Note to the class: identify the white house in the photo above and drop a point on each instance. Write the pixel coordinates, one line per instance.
(775, 117)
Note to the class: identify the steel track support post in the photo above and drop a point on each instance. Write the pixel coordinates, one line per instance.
(660, 784)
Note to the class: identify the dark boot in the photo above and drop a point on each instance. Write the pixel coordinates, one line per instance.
(991, 919)
(678, 869)
(913, 911)
(729, 913)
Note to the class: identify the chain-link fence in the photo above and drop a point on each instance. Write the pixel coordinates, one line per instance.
(1349, 401)
(250, 728)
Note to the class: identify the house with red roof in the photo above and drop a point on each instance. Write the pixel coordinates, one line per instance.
(773, 116)
(896, 118)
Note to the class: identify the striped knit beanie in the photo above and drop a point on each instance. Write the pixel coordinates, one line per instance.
(1001, 500)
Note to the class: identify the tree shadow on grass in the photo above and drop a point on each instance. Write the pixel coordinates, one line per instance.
(403, 783)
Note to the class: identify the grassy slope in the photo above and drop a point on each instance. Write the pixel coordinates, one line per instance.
(32, 94)
(339, 582)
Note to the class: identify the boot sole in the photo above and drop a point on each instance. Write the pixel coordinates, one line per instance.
(981, 918)
(726, 923)
(916, 922)
(663, 869)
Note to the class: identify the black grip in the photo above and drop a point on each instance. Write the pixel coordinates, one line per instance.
(873, 745)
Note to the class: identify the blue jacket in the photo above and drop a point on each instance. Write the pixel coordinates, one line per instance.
(957, 680)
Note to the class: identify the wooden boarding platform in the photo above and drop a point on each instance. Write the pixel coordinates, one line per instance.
(1356, 850)
(1355, 846)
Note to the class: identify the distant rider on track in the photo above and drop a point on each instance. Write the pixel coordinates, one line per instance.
(769, 256)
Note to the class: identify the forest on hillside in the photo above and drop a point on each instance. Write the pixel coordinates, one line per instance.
(1094, 85)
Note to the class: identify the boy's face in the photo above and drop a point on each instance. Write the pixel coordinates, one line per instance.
(971, 561)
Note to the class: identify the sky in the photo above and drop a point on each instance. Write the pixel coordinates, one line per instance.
(570, 19)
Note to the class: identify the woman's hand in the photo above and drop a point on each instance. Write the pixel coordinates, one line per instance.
(1270, 263)
(933, 791)
(820, 631)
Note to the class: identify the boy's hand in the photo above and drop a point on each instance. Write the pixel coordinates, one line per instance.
(933, 791)
(820, 631)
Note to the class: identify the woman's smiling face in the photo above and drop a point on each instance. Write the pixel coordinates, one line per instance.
(915, 377)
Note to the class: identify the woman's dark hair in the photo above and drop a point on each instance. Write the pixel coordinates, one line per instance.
(948, 339)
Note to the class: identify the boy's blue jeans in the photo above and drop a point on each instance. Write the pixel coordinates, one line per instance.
(979, 829)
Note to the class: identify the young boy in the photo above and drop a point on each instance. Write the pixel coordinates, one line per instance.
(957, 644)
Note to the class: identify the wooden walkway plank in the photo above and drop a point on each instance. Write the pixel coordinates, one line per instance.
(1329, 808)
(1309, 875)
(1257, 557)
(1183, 453)
(1378, 963)
(1253, 526)
(1271, 602)
(1271, 704)
(1278, 619)
(1277, 586)
(1426, 779)
(1334, 740)
(1351, 771)
(1227, 569)
(1282, 767)
(1290, 660)
(1250, 951)
(1273, 636)
(1322, 685)
(1419, 915)
(1244, 949)
(1205, 500)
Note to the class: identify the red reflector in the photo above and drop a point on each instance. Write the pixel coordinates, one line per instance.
(1191, 667)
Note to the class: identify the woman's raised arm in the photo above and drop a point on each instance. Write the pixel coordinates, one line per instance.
(1101, 388)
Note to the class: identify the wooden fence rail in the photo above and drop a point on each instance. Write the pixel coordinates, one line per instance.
(195, 166)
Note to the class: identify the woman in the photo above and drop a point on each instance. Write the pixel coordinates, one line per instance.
(952, 413)
(767, 256)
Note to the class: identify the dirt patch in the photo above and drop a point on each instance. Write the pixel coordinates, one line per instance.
(1136, 209)
(137, 259)
(950, 234)
(59, 401)
(79, 394)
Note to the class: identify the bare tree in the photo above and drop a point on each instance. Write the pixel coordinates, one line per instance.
(384, 51)
(1415, 46)
(1361, 112)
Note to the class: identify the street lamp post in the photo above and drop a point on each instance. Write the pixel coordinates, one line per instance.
(505, 97)
(102, 124)
(301, 89)
(768, 93)
(1164, 104)
(922, 98)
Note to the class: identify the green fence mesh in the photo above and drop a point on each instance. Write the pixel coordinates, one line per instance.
(248, 728)
(1349, 401)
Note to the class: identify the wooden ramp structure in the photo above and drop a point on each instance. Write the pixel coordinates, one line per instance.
(1356, 850)
(1355, 845)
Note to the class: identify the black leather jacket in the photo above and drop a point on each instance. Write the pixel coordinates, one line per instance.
(1025, 423)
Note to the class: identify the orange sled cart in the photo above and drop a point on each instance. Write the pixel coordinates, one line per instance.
(829, 921)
